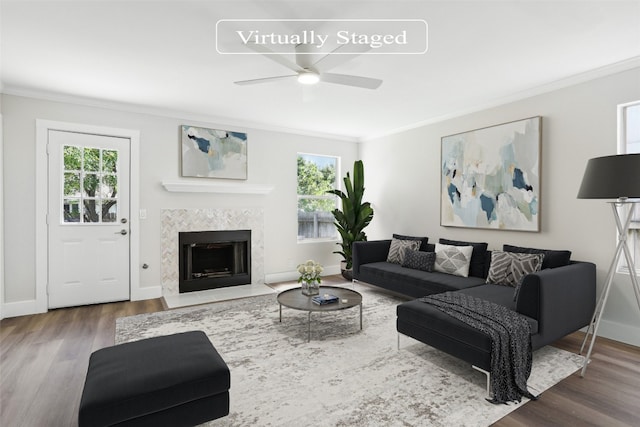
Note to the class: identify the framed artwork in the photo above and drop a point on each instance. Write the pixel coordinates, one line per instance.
(213, 153)
(490, 177)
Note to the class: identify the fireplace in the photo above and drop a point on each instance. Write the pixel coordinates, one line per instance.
(214, 259)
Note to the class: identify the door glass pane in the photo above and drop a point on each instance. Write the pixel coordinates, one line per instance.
(72, 184)
(72, 158)
(109, 161)
(91, 210)
(109, 187)
(90, 184)
(92, 159)
(71, 210)
(109, 210)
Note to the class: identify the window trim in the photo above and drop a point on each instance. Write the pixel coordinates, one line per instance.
(633, 238)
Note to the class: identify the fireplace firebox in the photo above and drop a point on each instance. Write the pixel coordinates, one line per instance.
(214, 259)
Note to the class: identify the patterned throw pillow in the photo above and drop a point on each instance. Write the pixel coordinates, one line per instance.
(419, 260)
(552, 258)
(423, 240)
(508, 268)
(396, 250)
(453, 259)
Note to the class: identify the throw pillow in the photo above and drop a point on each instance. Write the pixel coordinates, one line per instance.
(423, 240)
(419, 260)
(396, 250)
(477, 267)
(508, 268)
(453, 259)
(552, 258)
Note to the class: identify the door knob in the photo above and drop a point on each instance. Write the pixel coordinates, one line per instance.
(123, 232)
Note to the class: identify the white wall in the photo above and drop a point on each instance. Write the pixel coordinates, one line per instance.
(579, 122)
(272, 161)
(1, 219)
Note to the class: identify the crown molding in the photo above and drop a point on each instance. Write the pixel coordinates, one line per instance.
(227, 122)
(573, 80)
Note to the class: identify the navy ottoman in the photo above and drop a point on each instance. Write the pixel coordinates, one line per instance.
(173, 380)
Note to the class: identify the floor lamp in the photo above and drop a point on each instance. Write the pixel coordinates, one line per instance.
(612, 177)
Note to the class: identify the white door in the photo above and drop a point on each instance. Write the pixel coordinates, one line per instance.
(88, 213)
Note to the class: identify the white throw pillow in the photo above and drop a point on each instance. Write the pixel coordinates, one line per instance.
(453, 259)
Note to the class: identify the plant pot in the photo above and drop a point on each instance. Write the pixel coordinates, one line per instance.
(346, 273)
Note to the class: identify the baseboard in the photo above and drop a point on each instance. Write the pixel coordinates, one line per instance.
(21, 308)
(147, 292)
(288, 276)
(622, 332)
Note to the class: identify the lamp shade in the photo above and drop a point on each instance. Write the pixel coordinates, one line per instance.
(611, 177)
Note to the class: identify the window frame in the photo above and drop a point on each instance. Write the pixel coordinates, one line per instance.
(633, 238)
(299, 197)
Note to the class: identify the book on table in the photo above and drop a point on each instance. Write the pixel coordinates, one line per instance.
(325, 299)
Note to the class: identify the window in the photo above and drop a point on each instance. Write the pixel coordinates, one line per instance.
(90, 185)
(316, 175)
(629, 143)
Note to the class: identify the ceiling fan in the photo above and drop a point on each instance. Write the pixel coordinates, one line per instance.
(308, 72)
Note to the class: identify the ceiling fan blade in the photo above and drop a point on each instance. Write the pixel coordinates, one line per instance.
(333, 59)
(344, 79)
(268, 53)
(263, 80)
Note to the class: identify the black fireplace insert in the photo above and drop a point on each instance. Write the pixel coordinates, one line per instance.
(214, 259)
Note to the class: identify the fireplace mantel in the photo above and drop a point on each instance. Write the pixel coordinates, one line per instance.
(215, 187)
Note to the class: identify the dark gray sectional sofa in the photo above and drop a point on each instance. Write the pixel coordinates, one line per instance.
(556, 301)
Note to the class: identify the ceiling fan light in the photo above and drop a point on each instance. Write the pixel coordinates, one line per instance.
(308, 78)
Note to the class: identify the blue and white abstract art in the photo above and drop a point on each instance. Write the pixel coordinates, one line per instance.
(213, 153)
(491, 177)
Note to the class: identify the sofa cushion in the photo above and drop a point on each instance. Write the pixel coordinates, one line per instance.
(432, 283)
(429, 317)
(508, 268)
(478, 258)
(424, 241)
(396, 250)
(552, 258)
(453, 259)
(419, 260)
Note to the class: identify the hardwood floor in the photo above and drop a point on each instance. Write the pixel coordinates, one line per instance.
(44, 358)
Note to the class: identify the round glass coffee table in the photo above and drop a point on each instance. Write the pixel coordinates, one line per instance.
(293, 298)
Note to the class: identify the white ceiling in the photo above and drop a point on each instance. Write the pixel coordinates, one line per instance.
(162, 55)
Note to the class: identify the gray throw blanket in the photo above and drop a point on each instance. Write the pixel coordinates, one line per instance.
(510, 334)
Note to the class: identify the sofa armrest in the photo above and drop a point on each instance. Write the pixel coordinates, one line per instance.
(369, 251)
(561, 299)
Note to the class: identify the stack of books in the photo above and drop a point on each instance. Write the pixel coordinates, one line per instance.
(324, 299)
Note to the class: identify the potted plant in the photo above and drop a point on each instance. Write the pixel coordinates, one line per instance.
(354, 216)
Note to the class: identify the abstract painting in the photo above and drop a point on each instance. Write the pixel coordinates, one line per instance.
(213, 153)
(490, 177)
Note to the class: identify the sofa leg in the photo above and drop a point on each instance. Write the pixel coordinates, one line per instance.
(488, 375)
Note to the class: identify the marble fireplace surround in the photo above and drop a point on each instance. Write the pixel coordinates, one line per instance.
(174, 221)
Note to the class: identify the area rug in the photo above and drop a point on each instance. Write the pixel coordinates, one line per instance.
(344, 376)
